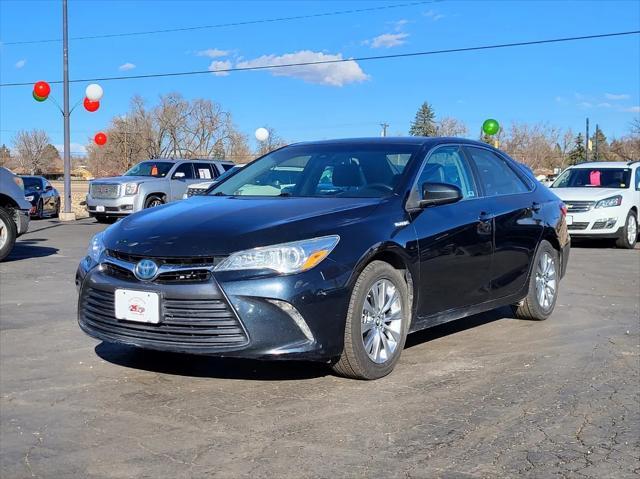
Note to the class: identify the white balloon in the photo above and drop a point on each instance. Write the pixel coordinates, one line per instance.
(262, 134)
(94, 92)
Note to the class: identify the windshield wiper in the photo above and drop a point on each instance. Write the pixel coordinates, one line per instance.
(285, 193)
(219, 193)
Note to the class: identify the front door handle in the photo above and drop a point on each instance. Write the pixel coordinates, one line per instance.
(484, 216)
(535, 206)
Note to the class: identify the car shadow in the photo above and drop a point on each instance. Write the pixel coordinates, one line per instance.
(209, 367)
(457, 326)
(25, 249)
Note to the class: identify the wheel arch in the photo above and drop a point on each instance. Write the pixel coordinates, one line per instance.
(7, 202)
(160, 194)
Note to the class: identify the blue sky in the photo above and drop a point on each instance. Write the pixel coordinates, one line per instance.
(560, 84)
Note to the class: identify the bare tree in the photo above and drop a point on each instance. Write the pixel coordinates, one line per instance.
(32, 147)
(449, 126)
(273, 142)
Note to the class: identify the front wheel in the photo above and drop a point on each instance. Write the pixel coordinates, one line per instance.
(543, 285)
(8, 233)
(377, 323)
(629, 232)
(153, 201)
(40, 210)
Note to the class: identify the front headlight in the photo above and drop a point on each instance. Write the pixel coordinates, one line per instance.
(130, 189)
(608, 202)
(96, 248)
(29, 198)
(284, 258)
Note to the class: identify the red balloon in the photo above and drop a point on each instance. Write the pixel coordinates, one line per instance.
(42, 89)
(91, 105)
(100, 139)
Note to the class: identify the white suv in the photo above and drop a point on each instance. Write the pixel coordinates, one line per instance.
(603, 200)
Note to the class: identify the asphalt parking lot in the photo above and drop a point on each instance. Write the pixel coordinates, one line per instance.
(487, 396)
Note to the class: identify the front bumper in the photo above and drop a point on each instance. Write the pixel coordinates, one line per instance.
(597, 223)
(121, 206)
(250, 318)
(22, 219)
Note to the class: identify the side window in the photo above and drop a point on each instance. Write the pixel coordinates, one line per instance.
(203, 171)
(448, 165)
(227, 167)
(496, 175)
(186, 169)
(638, 178)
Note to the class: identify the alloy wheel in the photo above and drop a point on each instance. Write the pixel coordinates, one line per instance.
(382, 321)
(4, 234)
(632, 229)
(546, 283)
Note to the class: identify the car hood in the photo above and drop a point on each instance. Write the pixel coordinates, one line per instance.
(586, 193)
(124, 179)
(211, 226)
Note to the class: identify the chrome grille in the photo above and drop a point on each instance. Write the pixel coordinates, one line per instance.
(172, 260)
(104, 191)
(190, 323)
(196, 192)
(579, 206)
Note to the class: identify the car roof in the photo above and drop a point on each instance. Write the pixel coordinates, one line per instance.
(33, 176)
(395, 140)
(603, 164)
(176, 160)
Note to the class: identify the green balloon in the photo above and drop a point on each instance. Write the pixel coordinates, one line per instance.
(38, 98)
(491, 127)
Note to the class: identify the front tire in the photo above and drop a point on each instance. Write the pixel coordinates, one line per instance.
(543, 285)
(153, 201)
(8, 233)
(377, 323)
(40, 210)
(629, 232)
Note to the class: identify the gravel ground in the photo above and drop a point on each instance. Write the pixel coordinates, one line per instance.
(487, 396)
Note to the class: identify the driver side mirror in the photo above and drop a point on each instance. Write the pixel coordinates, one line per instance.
(434, 194)
(48, 188)
(179, 175)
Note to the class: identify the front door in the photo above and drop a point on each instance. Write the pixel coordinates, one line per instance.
(182, 177)
(454, 240)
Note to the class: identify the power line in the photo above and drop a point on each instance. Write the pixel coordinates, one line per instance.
(342, 60)
(229, 24)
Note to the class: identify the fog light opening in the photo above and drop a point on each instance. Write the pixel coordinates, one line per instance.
(293, 313)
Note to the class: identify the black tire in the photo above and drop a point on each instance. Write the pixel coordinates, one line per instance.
(40, 210)
(104, 219)
(530, 308)
(153, 200)
(355, 361)
(56, 212)
(9, 231)
(623, 241)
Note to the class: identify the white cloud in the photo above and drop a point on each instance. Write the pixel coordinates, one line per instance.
(604, 105)
(388, 40)
(125, 67)
(433, 15)
(220, 65)
(633, 109)
(212, 53)
(585, 104)
(21, 63)
(398, 24)
(333, 74)
(74, 148)
(614, 96)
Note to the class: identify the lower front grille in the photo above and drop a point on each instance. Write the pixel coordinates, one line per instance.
(193, 323)
(579, 206)
(578, 226)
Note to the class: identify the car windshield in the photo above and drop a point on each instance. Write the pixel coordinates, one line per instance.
(32, 183)
(159, 169)
(594, 178)
(227, 173)
(322, 170)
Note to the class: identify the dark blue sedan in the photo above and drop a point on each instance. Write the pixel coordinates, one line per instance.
(44, 198)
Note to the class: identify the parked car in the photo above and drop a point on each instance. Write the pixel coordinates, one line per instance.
(201, 188)
(603, 200)
(363, 242)
(14, 211)
(148, 184)
(44, 198)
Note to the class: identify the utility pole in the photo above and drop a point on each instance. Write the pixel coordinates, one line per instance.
(595, 146)
(586, 143)
(68, 214)
(384, 128)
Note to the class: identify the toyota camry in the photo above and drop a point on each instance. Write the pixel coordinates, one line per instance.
(330, 251)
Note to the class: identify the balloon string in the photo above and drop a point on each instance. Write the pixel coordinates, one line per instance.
(74, 107)
(56, 104)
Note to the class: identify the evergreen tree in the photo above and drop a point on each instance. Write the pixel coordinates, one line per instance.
(5, 155)
(600, 146)
(424, 123)
(578, 152)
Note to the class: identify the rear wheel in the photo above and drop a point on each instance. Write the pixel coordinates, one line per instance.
(543, 285)
(153, 201)
(8, 233)
(377, 323)
(629, 232)
(40, 210)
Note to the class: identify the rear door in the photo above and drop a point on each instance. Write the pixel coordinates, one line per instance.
(517, 219)
(454, 240)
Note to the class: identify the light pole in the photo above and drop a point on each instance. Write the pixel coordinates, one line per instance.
(68, 214)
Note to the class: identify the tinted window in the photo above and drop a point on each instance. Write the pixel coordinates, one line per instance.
(496, 175)
(32, 183)
(638, 178)
(448, 165)
(347, 170)
(187, 169)
(158, 169)
(594, 178)
(227, 167)
(204, 171)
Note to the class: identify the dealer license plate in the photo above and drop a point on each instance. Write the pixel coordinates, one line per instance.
(100, 209)
(569, 219)
(139, 306)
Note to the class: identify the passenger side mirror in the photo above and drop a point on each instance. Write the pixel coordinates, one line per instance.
(434, 194)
